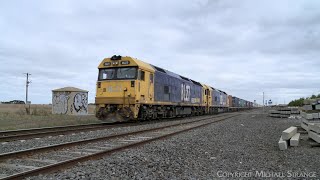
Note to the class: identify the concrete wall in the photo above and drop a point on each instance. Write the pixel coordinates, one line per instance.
(75, 103)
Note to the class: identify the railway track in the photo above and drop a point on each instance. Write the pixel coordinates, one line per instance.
(6, 136)
(31, 162)
(23, 134)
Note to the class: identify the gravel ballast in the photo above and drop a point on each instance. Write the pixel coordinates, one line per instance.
(241, 146)
(53, 140)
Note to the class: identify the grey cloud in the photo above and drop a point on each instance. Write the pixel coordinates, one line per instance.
(242, 47)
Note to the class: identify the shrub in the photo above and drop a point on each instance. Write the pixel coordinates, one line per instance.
(299, 102)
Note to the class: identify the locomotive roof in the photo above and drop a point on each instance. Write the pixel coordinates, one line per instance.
(175, 75)
(134, 61)
(156, 68)
(146, 66)
(69, 89)
(223, 92)
(206, 86)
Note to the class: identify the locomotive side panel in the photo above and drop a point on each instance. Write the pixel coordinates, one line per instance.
(196, 94)
(230, 101)
(166, 88)
(235, 101)
(172, 90)
(206, 98)
(216, 98)
(223, 99)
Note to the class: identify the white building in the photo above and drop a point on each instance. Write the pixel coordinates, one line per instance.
(70, 100)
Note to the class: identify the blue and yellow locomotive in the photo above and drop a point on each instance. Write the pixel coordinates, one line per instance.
(130, 89)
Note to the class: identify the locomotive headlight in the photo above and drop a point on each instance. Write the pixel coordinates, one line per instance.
(125, 62)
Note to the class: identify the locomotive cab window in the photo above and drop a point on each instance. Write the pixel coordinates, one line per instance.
(126, 73)
(151, 78)
(106, 74)
(117, 73)
(141, 75)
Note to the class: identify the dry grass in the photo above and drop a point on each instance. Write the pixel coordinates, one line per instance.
(21, 108)
(14, 116)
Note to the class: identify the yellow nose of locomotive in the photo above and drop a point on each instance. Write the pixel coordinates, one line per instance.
(114, 99)
(116, 89)
(123, 83)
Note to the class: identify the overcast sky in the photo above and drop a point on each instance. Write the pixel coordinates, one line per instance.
(242, 47)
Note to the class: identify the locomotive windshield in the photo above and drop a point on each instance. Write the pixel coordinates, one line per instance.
(126, 73)
(106, 74)
(118, 73)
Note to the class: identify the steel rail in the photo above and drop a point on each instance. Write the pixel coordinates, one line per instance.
(8, 155)
(68, 163)
(7, 136)
(28, 134)
(45, 129)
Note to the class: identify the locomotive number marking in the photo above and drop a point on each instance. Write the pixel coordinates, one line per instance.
(114, 88)
(185, 92)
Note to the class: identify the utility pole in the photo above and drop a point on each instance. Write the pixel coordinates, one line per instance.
(27, 85)
(263, 101)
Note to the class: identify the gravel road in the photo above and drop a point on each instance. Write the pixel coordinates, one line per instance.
(246, 145)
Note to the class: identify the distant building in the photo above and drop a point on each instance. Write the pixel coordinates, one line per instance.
(70, 100)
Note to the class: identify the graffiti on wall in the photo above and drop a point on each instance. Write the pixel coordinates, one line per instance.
(60, 102)
(80, 103)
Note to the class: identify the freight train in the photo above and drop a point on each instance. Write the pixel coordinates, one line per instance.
(130, 89)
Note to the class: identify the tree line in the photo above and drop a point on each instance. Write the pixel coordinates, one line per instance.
(299, 102)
